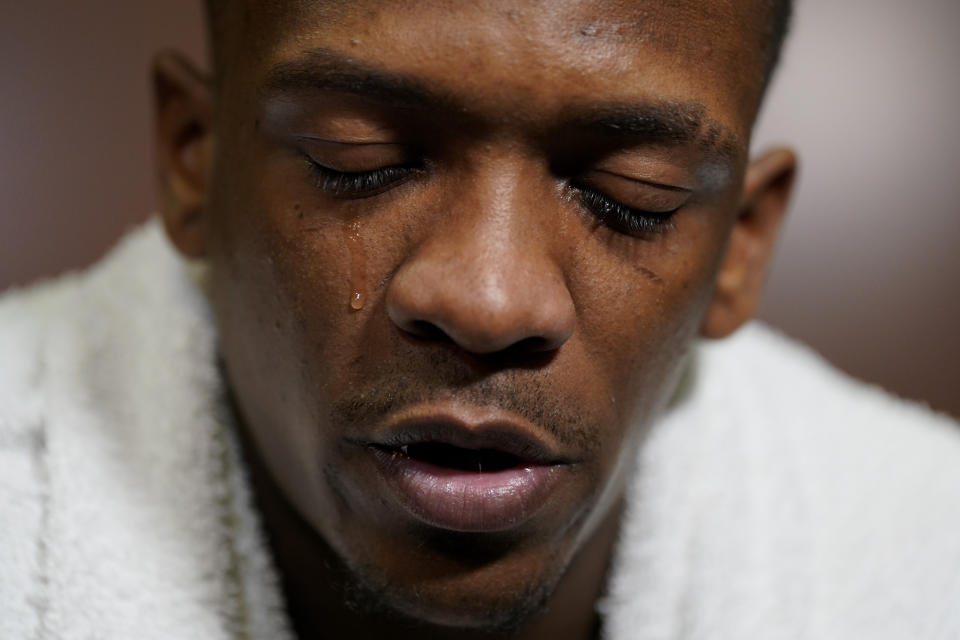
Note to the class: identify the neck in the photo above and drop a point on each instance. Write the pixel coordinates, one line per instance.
(317, 584)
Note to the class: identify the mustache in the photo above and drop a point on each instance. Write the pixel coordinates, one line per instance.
(525, 394)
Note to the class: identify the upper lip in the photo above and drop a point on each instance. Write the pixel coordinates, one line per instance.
(509, 436)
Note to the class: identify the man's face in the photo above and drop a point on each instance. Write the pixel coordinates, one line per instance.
(459, 251)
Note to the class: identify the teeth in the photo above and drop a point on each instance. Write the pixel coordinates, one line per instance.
(404, 449)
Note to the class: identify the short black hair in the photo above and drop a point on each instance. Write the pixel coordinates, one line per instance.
(781, 15)
(779, 12)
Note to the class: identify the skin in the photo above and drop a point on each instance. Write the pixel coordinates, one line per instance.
(488, 282)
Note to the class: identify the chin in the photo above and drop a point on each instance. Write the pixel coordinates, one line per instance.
(476, 601)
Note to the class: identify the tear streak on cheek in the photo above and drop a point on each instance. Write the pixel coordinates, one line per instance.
(358, 264)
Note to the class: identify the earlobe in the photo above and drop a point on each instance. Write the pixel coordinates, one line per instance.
(183, 112)
(740, 280)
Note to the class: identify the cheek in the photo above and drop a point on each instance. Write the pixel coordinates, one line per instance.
(272, 262)
(276, 241)
(640, 306)
(295, 265)
(280, 283)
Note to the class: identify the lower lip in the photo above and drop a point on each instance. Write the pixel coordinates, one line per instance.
(467, 501)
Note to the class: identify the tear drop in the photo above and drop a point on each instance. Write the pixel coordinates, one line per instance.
(358, 264)
(356, 300)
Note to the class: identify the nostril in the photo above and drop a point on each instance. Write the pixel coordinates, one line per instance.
(534, 351)
(532, 345)
(427, 331)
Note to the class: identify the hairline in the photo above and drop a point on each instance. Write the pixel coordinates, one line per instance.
(779, 19)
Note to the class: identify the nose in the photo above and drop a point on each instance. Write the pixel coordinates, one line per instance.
(485, 282)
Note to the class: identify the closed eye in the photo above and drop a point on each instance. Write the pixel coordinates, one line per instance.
(625, 219)
(360, 184)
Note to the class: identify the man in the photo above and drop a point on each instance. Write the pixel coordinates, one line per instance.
(427, 363)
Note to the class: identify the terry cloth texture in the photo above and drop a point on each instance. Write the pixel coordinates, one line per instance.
(778, 499)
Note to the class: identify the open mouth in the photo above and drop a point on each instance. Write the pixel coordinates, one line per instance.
(480, 479)
(458, 458)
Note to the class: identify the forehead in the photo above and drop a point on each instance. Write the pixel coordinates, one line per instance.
(540, 54)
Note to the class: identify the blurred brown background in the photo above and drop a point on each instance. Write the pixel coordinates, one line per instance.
(869, 269)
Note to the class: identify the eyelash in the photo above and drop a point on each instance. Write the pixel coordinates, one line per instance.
(620, 217)
(359, 184)
(362, 184)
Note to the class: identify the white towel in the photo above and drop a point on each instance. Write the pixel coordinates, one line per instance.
(778, 499)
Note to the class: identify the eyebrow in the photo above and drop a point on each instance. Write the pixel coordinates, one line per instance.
(327, 70)
(670, 123)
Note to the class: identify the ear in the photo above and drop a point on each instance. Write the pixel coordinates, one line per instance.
(740, 280)
(184, 106)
